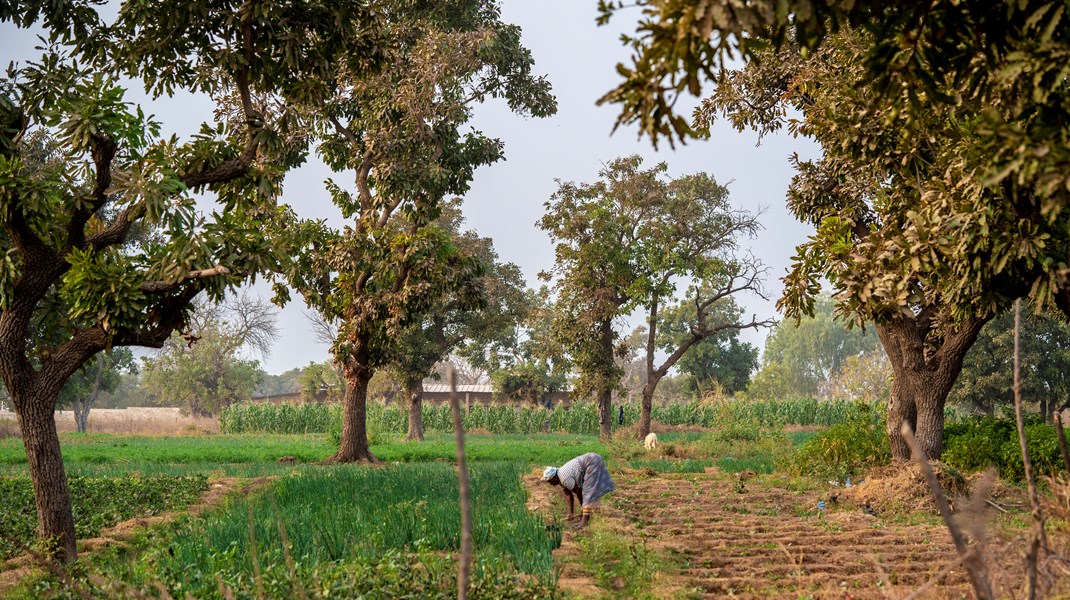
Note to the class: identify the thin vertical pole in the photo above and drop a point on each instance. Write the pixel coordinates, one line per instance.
(466, 494)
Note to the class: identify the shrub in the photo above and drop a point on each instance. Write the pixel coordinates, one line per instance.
(846, 449)
(975, 442)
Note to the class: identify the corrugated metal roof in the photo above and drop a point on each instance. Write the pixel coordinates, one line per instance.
(444, 388)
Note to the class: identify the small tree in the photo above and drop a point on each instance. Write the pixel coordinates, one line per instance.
(321, 382)
(720, 359)
(102, 374)
(472, 314)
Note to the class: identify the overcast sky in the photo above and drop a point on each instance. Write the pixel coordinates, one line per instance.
(507, 198)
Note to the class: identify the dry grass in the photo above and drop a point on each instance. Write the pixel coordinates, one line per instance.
(9, 426)
(142, 421)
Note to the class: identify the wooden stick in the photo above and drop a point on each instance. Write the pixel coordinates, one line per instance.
(1032, 549)
(971, 559)
(1062, 440)
(465, 565)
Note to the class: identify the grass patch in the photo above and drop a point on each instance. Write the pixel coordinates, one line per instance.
(625, 568)
(98, 503)
(256, 455)
(349, 530)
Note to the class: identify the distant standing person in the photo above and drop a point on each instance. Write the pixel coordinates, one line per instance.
(584, 477)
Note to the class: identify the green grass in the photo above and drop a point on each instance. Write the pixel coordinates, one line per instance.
(344, 524)
(252, 455)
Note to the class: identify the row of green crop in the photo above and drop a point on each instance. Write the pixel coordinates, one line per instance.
(351, 531)
(99, 502)
(581, 418)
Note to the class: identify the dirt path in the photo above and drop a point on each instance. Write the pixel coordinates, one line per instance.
(760, 539)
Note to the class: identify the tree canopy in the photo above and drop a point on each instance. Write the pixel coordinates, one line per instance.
(83, 174)
(402, 132)
(627, 241)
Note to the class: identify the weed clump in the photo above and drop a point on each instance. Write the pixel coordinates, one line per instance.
(845, 450)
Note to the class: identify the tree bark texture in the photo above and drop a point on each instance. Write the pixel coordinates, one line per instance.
(925, 367)
(416, 411)
(605, 395)
(55, 520)
(354, 443)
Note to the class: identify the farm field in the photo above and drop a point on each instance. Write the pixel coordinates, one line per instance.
(705, 515)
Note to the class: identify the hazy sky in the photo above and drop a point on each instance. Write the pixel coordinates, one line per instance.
(507, 198)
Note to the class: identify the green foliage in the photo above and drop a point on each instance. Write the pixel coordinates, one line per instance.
(801, 356)
(986, 380)
(527, 381)
(372, 513)
(846, 449)
(629, 240)
(718, 360)
(204, 377)
(320, 382)
(98, 503)
(581, 418)
(977, 442)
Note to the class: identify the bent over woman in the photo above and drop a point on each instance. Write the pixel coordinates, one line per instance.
(585, 477)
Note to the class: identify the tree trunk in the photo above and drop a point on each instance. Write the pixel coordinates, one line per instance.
(81, 408)
(354, 443)
(605, 395)
(416, 414)
(55, 520)
(644, 413)
(925, 368)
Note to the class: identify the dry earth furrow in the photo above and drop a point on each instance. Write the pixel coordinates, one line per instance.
(761, 540)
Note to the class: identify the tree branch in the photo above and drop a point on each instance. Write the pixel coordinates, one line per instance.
(155, 287)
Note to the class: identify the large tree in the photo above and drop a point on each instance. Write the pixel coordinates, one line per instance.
(70, 256)
(627, 241)
(469, 317)
(403, 134)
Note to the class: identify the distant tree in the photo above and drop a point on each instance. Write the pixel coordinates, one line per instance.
(800, 357)
(528, 364)
(204, 370)
(986, 381)
(865, 377)
(282, 383)
(627, 241)
(720, 359)
(474, 314)
(321, 382)
(403, 133)
(102, 374)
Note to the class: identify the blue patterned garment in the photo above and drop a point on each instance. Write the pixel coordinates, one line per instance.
(588, 475)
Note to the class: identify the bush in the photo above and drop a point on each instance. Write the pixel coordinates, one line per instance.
(974, 443)
(846, 449)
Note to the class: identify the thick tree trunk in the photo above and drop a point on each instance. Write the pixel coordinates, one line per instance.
(925, 368)
(354, 446)
(416, 411)
(55, 521)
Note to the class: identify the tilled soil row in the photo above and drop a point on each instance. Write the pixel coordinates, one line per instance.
(761, 540)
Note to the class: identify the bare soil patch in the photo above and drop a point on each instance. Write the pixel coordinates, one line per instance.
(763, 537)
